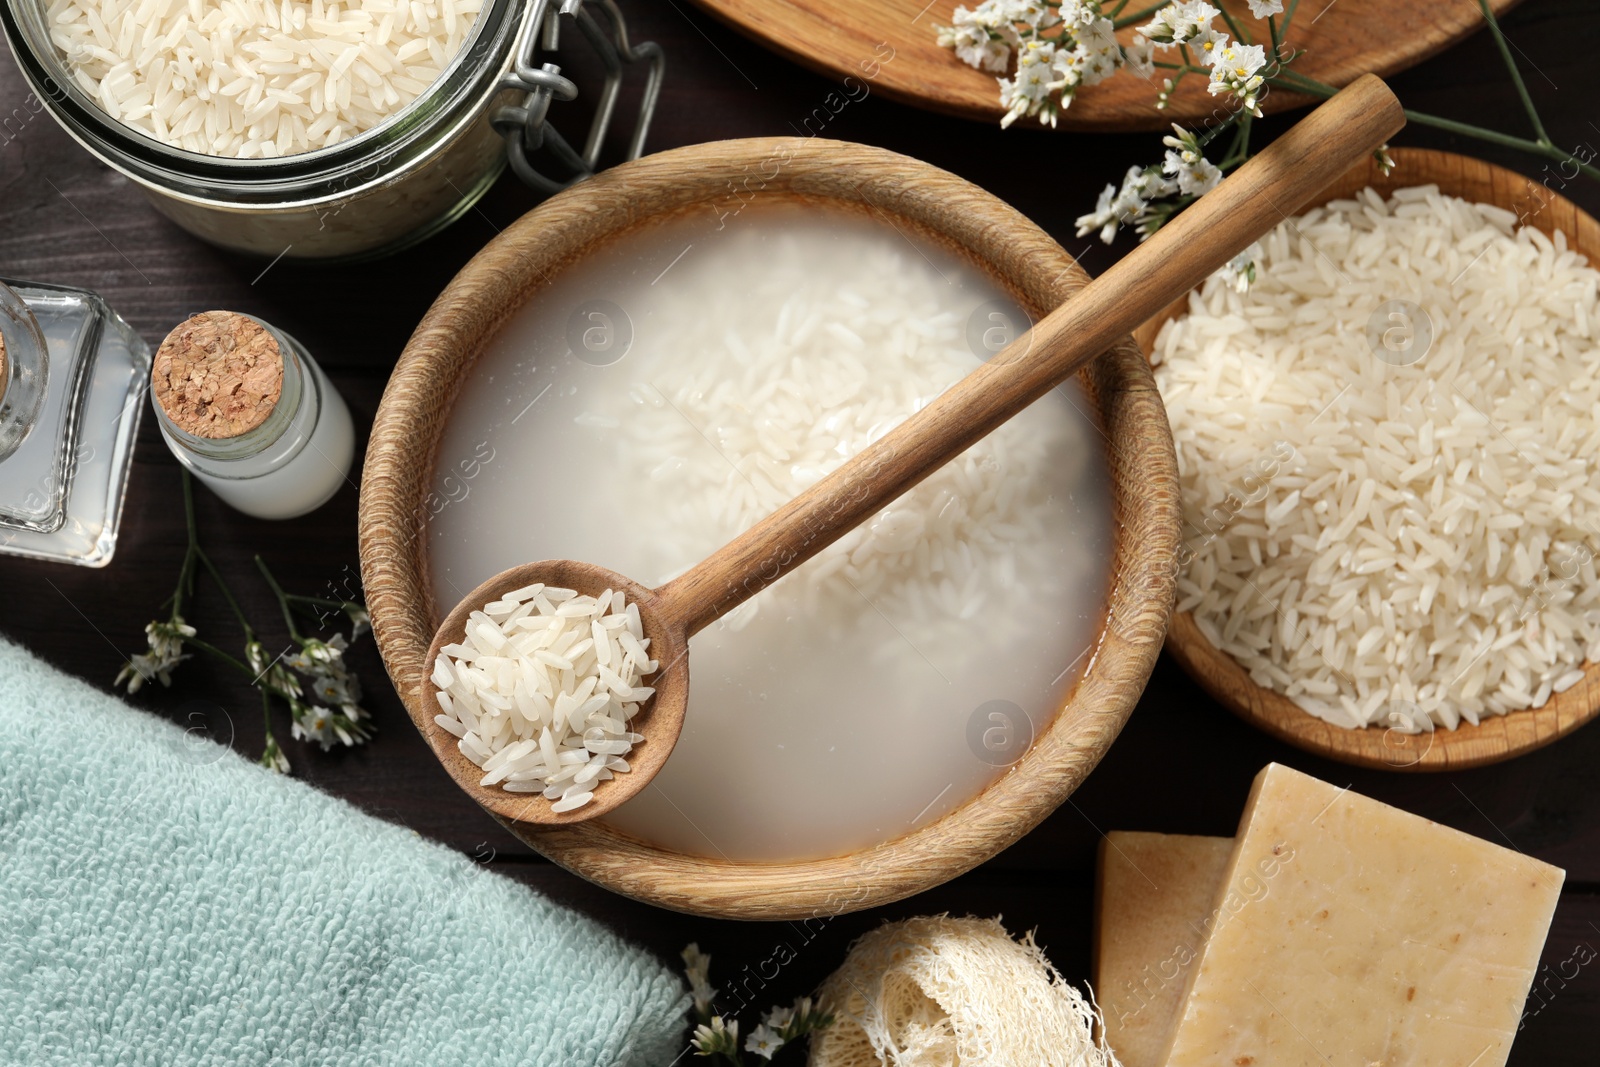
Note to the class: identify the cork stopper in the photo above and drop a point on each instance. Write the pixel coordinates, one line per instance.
(218, 375)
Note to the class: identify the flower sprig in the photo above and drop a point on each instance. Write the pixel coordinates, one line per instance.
(323, 695)
(1060, 46)
(716, 1036)
(1053, 48)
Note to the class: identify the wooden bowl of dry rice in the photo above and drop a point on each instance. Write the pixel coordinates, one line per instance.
(1390, 511)
(918, 199)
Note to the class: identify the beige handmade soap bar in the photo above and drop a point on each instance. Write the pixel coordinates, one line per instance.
(1363, 936)
(1153, 906)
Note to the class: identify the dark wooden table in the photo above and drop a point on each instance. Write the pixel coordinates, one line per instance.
(1182, 764)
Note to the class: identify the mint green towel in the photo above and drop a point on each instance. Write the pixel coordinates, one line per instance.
(166, 903)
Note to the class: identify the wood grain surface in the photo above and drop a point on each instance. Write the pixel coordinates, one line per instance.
(893, 42)
(1182, 764)
(915, 198)
(1497, 737)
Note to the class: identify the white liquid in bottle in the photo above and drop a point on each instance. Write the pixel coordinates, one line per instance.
(267, 433)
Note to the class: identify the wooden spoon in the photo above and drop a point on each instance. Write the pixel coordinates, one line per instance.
(1265, 191)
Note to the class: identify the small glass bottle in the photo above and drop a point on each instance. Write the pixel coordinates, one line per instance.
(70, 374)
(248, 411)
(24, 370)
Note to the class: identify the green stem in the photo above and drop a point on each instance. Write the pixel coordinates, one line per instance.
(319, 607)
(1537, 148)
(227, 594)
(1302, 84)
(186, 572)
(1288, 17)
(1293, 79)
(1217, 130)
(1233, 27)
(322, 602)
(214, 651)
(1129, 20)
(1277, 39)
(1516, 75)
(1239, 151)
(283, 600)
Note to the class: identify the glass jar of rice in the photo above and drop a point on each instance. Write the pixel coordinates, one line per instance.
(379, 190)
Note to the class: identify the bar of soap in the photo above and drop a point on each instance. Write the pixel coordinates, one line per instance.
(1351, 933)
(1152, 903)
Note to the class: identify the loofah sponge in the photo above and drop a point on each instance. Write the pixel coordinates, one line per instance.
(942, 992)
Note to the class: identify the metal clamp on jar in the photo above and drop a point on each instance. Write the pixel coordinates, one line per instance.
(524, 126)
(394, 184)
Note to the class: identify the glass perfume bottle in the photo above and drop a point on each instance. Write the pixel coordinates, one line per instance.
(248, 411)
(70, 376)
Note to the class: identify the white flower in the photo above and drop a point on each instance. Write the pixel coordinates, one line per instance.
(360, 621)
(1035, 13)
(974, 44)
(1185, 142)
(1242, 60)
(1095, 66)
(1196, 15)
(1078, 12)
(1263, 8)
(1128, 205)
(1140, 56)
(315, 724)
(779, 1018)
(1179, 22)
(1103, 218)
(697, 968)
(1235, 73)
(273, 758)
(718, 1037)
(315, 655)
(1206, 45)
(337, 689)
(166, 652)
(763, 1042)
(1241, 269)
(995, 15)
(1186, 163)
(331, 681)
(1099, 36)
(166, 638)
(1068, 67)
(1194, 179)
(1029, 92)
(271, 674)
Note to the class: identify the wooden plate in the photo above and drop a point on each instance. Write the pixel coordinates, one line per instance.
(1498, 737)
(515, 268)
(890, 46)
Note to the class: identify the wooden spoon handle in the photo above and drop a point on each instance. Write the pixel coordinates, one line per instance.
(1268, 189)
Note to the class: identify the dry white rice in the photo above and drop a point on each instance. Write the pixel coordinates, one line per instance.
(1406, 546)
(257, 78)
(542, 688)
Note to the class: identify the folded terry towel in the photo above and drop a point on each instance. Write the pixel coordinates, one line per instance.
(164, 904)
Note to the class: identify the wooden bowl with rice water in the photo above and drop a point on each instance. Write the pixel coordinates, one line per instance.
(1494, 737)
(490, 412)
